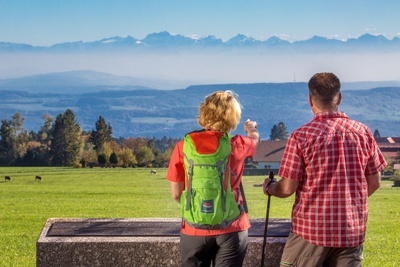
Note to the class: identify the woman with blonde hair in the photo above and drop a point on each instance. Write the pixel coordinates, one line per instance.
(225, 245)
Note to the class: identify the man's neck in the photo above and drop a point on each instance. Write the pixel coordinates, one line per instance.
(315, 109)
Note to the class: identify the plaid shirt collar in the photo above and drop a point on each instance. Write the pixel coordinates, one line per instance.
(330, 115)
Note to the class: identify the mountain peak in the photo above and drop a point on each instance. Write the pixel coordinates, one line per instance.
(369, 39)
(165, 39)
(241, 39)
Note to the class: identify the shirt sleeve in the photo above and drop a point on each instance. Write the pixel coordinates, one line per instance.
(292, 163)
(243, 146)
(376, 162)
(176, 172)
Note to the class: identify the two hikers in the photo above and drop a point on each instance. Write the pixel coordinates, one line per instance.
(332, 163)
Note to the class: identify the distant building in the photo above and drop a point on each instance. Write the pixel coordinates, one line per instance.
(269, 154)
(390, 146)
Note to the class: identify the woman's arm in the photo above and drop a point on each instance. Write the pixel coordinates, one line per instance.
(250, 127)
(176, 190)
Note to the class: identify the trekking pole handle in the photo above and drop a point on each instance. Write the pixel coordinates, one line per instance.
(271, 181)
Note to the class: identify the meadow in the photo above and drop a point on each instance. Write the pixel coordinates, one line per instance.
(26, 204)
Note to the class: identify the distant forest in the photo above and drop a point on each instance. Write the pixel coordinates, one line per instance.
(60, 141)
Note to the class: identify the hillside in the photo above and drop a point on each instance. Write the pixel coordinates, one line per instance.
(137, 111)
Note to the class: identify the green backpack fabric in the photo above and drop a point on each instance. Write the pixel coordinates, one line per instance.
(205, 204)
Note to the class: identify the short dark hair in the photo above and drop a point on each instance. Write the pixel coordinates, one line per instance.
(324, 87)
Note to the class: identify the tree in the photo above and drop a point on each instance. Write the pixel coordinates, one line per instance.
(102, 160)
(36, 155)
(279, 132)
(376, 133)
(17, 122)
(134, 144)
(145, 156)
(44, 133)
(88, 155)
(126, 156)
(165, 143)
(101, 135)
(162, 159)
(65, 140)
(14, 139)
(8, 143)
(113, 158)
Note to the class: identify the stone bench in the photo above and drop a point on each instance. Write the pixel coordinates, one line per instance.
(138, 242)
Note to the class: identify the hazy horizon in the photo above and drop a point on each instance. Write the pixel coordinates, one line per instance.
(186, 69)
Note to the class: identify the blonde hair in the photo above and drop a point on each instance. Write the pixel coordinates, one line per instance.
(220, 111)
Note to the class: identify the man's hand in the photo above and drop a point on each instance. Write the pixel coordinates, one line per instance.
(266, 185)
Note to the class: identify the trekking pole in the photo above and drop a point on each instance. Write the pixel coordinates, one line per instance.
(244, 198)
(271, 176)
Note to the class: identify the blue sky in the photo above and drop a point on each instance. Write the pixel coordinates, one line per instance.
(46, 22)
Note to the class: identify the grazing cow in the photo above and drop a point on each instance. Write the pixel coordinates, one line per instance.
(38, 178)
(7, 178)
(153, 172)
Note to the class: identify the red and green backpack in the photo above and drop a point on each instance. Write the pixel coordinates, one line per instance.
(208, 201)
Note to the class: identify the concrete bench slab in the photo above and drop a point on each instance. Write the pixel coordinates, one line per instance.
(138, 242)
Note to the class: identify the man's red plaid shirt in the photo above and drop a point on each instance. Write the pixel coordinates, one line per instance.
(331, 157)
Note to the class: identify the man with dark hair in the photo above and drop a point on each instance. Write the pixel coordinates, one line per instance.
(333, 164)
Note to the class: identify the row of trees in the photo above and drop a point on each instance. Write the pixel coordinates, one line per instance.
(61, 142)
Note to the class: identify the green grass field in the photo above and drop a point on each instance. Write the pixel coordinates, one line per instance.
(26, 204)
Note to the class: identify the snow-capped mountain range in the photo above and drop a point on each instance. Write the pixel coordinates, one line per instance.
(166, 40)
